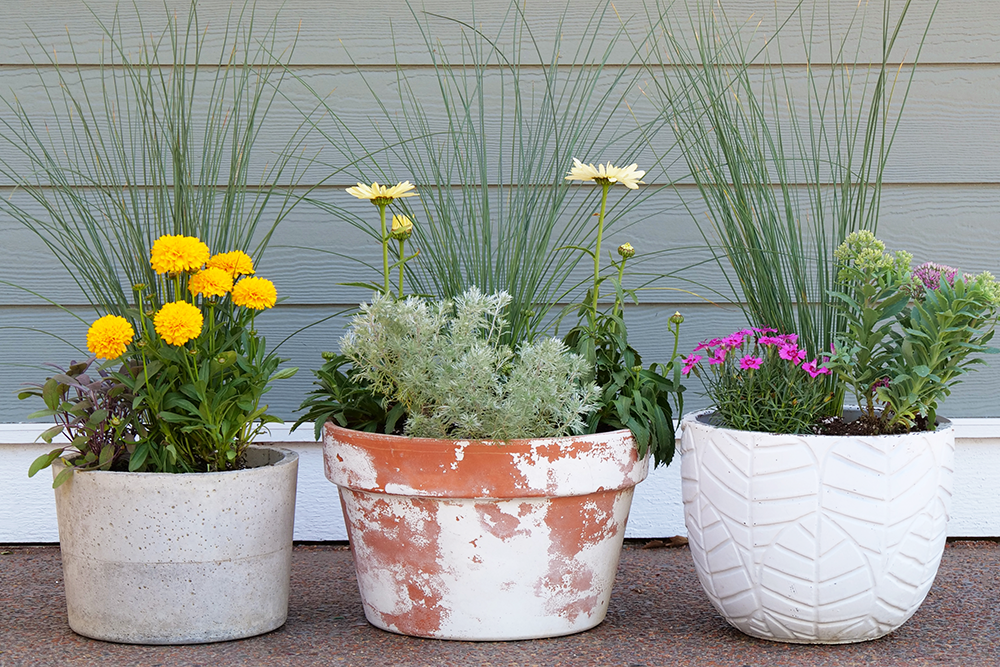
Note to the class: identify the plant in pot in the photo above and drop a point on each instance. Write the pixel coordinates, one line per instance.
(173, 527)
(486, 486)
(152, 555)
(811, 527)
(799, 536)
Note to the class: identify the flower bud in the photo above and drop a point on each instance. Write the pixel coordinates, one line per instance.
(626, 250)
(402, 227)
(677, 318)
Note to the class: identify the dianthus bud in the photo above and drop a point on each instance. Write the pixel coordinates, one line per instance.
(677, 318)
(626, 250)
(402, 227)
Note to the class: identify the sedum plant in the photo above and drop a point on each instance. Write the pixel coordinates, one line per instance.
(910, 334)
(446, 364)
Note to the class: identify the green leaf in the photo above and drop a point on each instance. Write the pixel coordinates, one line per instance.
(922, 371)
(51, 394)
(64, 476)
(285, 373)
(52, 432)
(44, 461)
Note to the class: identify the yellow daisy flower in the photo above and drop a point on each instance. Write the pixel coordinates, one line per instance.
(178, 254)
(212, 281)
(108, 337)
(256, 293)
(606, 173)
(382, 194)
(402, 227)
(178, 322)
(237, 263)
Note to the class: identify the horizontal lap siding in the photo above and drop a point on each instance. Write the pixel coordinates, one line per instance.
(941, 201)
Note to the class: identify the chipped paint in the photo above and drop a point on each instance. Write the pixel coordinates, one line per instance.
(501, 550)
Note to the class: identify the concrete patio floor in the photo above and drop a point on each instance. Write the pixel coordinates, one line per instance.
(658, 616)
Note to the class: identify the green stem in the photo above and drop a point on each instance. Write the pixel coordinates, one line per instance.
(402, 261)
(619, 306)
(385, 246)
(605, 186)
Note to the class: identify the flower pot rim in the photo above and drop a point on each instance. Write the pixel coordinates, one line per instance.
(421, 442)
(288, 457)
(524, 468)
(702, 418)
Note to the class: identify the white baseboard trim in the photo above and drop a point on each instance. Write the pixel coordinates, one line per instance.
(27, 506)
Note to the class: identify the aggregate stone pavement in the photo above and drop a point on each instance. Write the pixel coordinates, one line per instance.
(658, 616)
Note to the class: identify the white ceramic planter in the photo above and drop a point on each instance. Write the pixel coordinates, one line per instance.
(815, 539)
(157, 558)
(481, 540)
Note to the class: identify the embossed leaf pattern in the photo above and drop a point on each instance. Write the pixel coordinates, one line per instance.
(812, 538)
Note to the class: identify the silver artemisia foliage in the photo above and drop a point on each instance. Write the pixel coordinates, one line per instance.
(444, 361)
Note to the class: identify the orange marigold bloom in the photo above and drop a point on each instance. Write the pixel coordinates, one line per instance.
(212, 281)
(256, 293)
(178, 254)
(237, 263)
(178, 322)
(108, 337)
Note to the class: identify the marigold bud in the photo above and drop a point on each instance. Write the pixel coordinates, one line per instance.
(677, 318)
(626, 250)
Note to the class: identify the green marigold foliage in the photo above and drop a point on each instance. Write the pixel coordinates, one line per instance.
(444, 362)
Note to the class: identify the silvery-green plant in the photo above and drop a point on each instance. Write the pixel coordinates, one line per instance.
(446, 364)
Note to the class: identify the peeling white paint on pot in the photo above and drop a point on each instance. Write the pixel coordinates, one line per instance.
(158, 558)
(482, 540)
(815, 539)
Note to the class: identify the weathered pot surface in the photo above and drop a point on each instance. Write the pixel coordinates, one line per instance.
(484, 541)
(159, 558)
(812, 538)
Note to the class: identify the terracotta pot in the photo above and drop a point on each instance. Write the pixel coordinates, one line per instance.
(481, 540)
(159, 558)
(813, 538)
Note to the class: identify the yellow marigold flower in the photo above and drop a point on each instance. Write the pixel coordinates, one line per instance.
(178, 322)
(178, 254)
(606, 173)
(237, 263)
(402, 227)
(382, 194)
(108, 337)
(256, 293)
(212, 281)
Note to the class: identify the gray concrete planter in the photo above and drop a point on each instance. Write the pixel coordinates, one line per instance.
(155, 558)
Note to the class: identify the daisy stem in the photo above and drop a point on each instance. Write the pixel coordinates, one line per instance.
(605, 186)
(385, 247)
(402, 262)
(619, 306)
